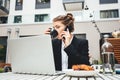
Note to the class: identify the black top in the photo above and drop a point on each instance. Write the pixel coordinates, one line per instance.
(77, 52)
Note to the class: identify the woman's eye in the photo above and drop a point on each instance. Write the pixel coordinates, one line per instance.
(57, 27)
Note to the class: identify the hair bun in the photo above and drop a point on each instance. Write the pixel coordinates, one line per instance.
(71, 16)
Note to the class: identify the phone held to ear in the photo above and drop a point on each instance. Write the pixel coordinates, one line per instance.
(67, 28)
(53, 33)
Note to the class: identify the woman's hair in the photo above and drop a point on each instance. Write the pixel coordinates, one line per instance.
(67, 20)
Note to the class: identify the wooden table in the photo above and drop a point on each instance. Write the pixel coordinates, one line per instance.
(12, 76)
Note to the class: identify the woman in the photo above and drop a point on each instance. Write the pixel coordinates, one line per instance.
(68, 50)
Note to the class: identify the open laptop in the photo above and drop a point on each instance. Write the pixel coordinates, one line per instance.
(32, 55)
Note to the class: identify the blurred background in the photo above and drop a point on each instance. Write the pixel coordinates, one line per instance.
(93, 19)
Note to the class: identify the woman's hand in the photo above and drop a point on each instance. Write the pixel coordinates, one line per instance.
(67, 36)
(47, 31)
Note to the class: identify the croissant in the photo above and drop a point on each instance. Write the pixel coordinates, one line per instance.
(82, 67)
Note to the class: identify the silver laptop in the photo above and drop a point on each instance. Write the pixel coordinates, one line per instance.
(32, 55)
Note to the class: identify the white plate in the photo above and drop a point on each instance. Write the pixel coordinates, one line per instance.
(80, 73)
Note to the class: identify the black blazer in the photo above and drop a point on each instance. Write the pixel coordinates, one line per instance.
(77, 52)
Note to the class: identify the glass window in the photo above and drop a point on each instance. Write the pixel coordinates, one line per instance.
(1, 2)
(41, 17)
(109, 13)
(19, 4)
(5, 5)
(40, 4)
(17, 19)
(3, 48)
(83, 36)
(3, 19)
(42, 1)
(108, 1)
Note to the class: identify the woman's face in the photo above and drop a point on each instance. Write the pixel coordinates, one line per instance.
(59, 27)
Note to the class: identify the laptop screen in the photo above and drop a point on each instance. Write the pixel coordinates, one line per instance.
(32, 55)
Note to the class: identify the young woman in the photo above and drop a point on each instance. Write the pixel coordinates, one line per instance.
(68, 50)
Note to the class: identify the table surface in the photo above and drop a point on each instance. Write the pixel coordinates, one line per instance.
(13, 76)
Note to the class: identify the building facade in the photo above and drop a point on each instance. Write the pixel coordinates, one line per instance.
(32, 17)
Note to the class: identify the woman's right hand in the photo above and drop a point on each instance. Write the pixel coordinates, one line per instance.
(47, 31)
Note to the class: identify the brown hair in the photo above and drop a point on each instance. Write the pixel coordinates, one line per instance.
(67, 20)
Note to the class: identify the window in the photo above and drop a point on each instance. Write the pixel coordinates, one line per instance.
(83, 36)
(3, 19)
(5, 3)
(41, 17)
(27, 36)
(40, 4)
(108, 1)
(17, 19)
(3, 48)
(1, 2)
(19, 4)
(109, 13)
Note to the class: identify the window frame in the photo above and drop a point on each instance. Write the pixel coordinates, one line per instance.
(19, 5)
(108, 1)
(40, 17)
(15, 19)
(43, 4)
(112, 13)
(3, 19)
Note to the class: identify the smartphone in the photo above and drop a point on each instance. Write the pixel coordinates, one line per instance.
(53, 33)
(67, 27)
